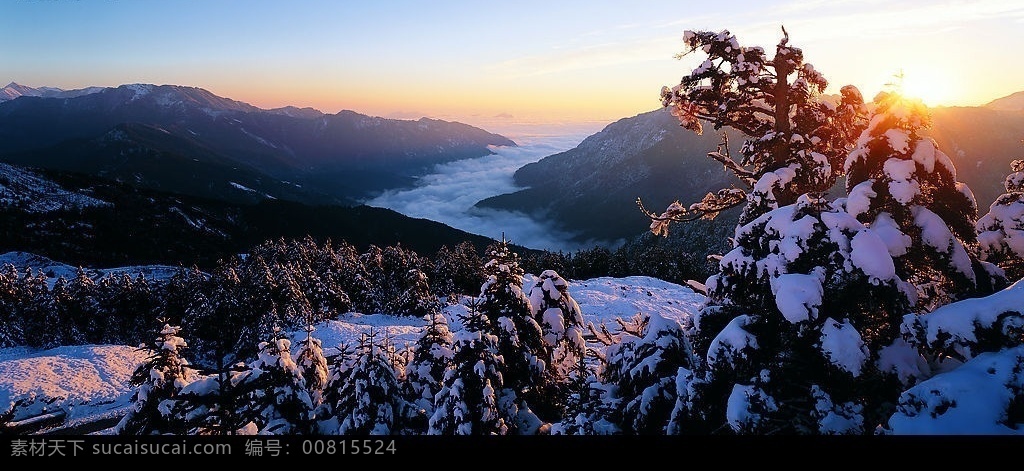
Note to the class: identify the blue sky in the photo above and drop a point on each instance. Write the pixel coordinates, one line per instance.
(534, 60)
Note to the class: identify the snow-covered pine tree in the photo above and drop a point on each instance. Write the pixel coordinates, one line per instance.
(905, 190)
(984, 396)
(337, 372)
(980, 389)
(801, 329)
(10, 328)
(274, 391)
(510, 320)
(561, 321)
(369, 400)
(158, 381)
(1001, 230)
(472, 397)
(67, 329)
(256, 295)
(962, 330)
(292, 306)
(457, 270)
(313, 365)
(179, 292)
(642, 368)
(798, 139)
(371, 265)
(562, 327)
(432, 358)
(83, 308)
(37, 313)
(416, 297)
(322, 284)
(583, 403)
(215, 403)
(351, 276)
(221, 319)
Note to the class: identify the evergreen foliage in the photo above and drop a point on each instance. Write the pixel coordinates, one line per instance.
(1001, 230)
(159, 382)
(905, 189)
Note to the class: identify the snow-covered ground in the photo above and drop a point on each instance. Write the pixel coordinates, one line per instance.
(90, 382)
(53, 269)
(85, 382)
(24, 188)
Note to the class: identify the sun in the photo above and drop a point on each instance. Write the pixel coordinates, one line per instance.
(932, 87)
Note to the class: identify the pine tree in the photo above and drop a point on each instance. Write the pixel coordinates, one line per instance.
(289, 300)
(905, 189)
(562, 327)
(217, 403)
(798, 140)
(369, 400)
(338, 371)
(322, 290)
(353, 277)
(275, 392)
(510, 319)
(159, 381)
(372, 271)
(10, 328)
(179, 293)
(313, 365)
(37, 313)
(83, 308)
(800, 327)
(1001, 231)
(432, 358)
(221, 318)
(583, 404)
(642, 366)
(458, 270)
(561, 321)
(66, 327)
(416, 298)
(471, 400)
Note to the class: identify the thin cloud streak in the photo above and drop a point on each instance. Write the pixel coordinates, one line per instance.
(591, 56)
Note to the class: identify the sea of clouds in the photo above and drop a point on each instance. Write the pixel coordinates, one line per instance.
(448, 193)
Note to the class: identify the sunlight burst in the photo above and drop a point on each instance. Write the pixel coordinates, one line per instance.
(932, 87)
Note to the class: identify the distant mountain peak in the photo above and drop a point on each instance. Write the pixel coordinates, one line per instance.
(14, 90)
(140, 89)
(296, 112)
(1012, 102)
(20, 87)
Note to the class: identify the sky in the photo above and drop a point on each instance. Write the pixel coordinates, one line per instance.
(488, 62)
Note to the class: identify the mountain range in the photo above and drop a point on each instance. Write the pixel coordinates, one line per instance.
(91, 221)
(591, 190)
(190, 141)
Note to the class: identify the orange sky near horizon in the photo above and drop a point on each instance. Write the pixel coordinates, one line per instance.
(480, 62)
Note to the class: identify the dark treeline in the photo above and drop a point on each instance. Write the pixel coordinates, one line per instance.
(283, 283)
(277, 284)
(676, 259)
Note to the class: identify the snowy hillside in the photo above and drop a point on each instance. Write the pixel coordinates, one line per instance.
(90, 382)
(600, 299)
(53, 269)
(24, 189)
(84, 382)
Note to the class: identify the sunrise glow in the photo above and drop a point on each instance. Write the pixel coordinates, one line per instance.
(466, 61)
